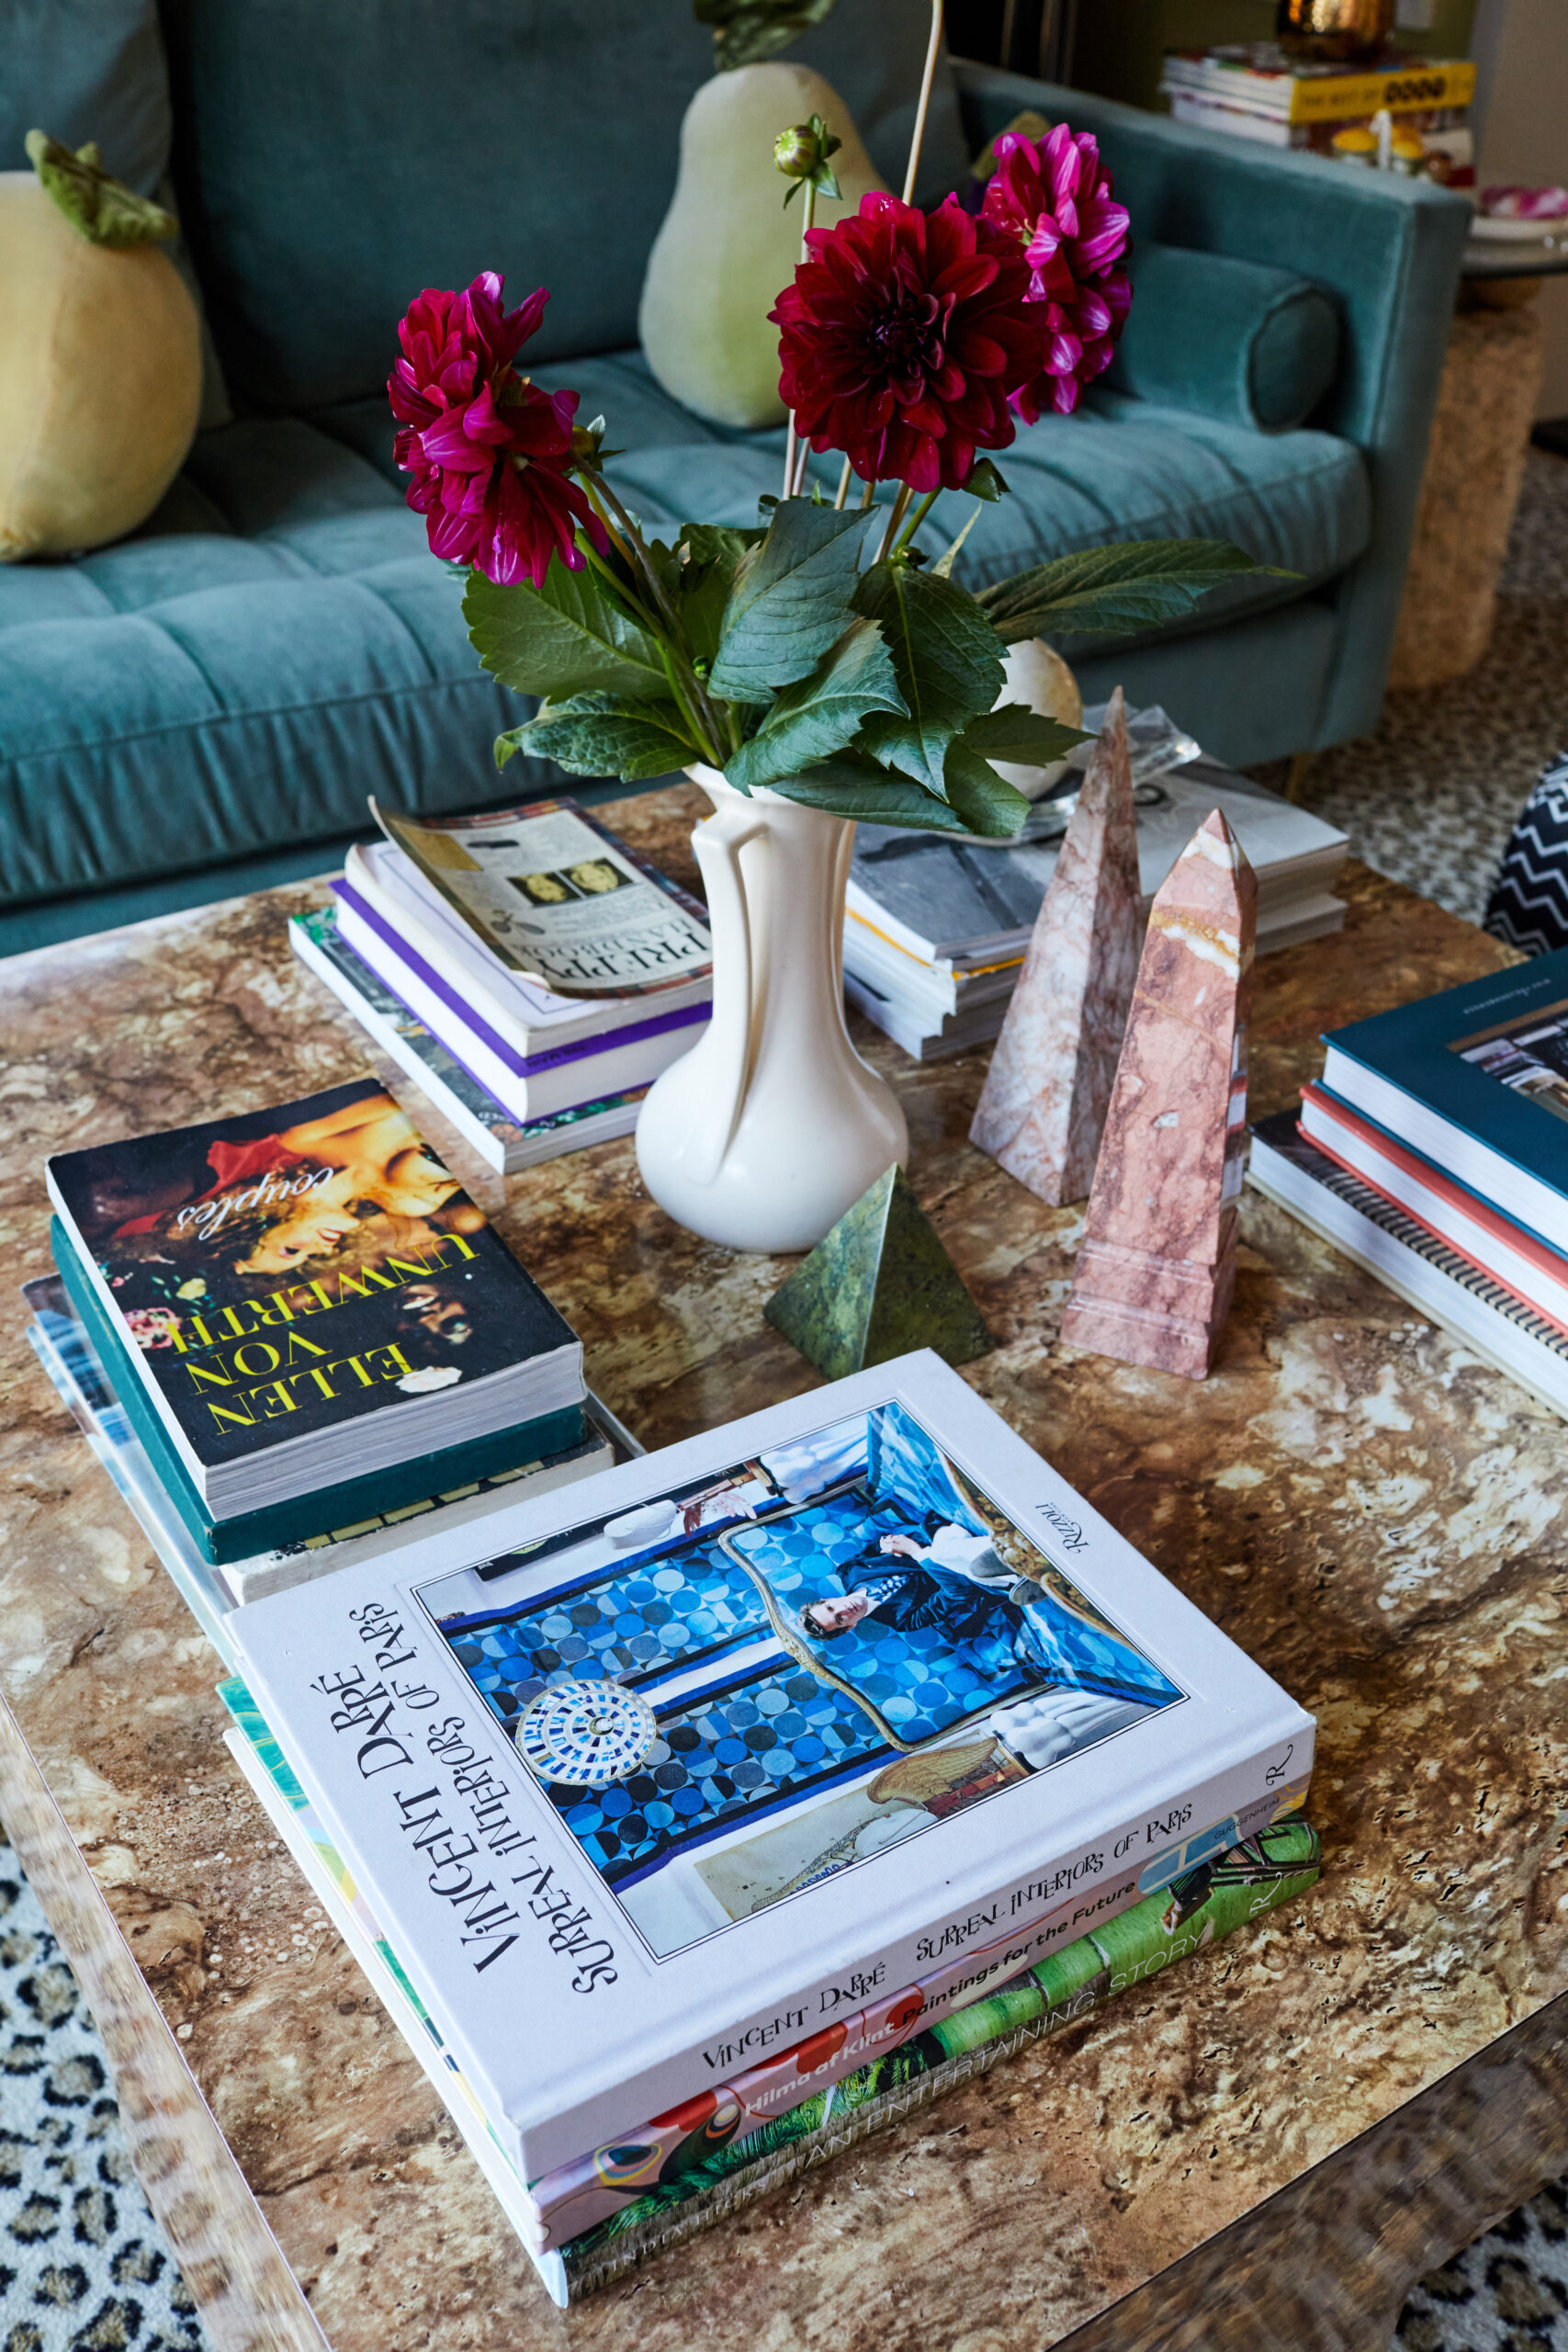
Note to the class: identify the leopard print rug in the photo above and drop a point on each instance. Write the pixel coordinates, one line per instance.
(1431, 799)
(82, 2265)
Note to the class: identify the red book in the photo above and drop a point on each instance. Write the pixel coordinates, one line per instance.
(1509, 1252)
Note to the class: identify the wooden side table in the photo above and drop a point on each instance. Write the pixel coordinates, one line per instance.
(1475, 463)
(1261, 2150)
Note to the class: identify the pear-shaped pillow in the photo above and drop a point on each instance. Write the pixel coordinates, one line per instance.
(728, 245)
(100, 356)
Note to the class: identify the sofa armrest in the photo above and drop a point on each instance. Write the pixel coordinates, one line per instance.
(1388, 249)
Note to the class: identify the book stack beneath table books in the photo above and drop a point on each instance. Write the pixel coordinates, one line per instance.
(637, 1805)
(935, 929)
(307, 1331)
(1258, 90)
(1436, 1151)
(530, 972)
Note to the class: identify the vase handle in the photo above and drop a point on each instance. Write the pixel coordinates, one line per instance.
(717, 845)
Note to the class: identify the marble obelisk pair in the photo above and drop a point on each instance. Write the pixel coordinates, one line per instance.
(1156, 1264)
(1049, 1084)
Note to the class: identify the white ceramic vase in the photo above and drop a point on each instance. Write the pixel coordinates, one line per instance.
(771, 1126)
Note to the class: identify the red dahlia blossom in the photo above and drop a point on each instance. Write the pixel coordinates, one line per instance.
(1053, 198)
(490, 453)
(902, 336)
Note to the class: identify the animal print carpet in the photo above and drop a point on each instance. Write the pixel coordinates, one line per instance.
(1431, 800)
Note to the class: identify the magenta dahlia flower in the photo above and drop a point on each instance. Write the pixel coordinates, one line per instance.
(1051, 198)
(490, 453)
(902, 337)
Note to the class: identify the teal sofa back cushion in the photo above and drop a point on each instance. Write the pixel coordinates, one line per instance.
(1233, 340)
(81, 70)
(335, 156)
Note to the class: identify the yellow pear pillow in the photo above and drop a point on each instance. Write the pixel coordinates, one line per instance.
(100, 356)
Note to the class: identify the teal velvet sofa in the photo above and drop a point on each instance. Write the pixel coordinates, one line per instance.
(202, 708)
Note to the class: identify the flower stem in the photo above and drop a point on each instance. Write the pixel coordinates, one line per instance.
(895, 516)
(789, 472)
(918, 140)
(867, 494)
(916, 519)
(843, 485)
(671, 635)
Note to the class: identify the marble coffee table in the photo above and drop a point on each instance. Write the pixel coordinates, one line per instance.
(1261, 2151)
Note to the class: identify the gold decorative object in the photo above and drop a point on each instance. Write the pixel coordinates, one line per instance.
(1335, 28)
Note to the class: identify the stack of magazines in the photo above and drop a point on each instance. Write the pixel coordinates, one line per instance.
(670, 1768)
(307, 1332)
(529, 971)
(1436, 1151)
(936, 929)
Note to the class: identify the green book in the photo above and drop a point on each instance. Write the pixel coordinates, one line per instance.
(341, 1504)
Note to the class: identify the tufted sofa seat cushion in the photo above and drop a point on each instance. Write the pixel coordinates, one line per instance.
(277, 642)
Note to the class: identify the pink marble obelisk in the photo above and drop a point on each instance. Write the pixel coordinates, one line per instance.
(1044, 1104)
(1157, 1265)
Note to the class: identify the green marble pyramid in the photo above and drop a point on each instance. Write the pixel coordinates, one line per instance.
(879, 1285)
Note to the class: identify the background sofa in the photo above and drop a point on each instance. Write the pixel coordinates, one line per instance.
(202, 708)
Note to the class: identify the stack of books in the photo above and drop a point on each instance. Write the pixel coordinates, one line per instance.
(637, 1805)
(1435, 1151)
(309, 1332)
(531, 973)
(1258, 90)
(936, 930)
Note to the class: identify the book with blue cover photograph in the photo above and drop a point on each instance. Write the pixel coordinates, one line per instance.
(269, 1284)
(1475, 1078)
(679, 1757)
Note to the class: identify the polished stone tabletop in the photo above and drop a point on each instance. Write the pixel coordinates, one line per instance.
(1364, 1506)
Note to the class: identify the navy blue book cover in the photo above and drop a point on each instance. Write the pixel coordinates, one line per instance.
(298, 1267)
(1491, 1057)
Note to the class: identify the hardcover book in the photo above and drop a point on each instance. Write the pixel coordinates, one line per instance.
(590, 2221)
(1288, 1167)
(1517, 1257)
(1475, 1078)
(680, 1754)
(284, 1279)
(503, 1142)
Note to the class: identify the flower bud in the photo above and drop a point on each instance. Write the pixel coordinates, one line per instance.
(801, 154)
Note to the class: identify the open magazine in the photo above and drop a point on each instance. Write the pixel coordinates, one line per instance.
(556, 897)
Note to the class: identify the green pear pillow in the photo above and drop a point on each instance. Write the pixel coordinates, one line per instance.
(728, 245)
(100, 355)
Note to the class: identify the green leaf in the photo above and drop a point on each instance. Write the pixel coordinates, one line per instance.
(713, 552)
(947, 659)
(791, 599)
(601, 735)
(852, 785)
(822, 713)
(1115, 591)
(747, 32)
(980, 798)
(574, 636)
(1015, 733)
(984, 480)
(98, 207)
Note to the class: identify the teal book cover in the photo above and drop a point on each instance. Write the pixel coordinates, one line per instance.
(328, 1506)
(1489, 1058)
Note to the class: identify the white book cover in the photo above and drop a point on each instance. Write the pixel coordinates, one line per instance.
(624, 1781)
